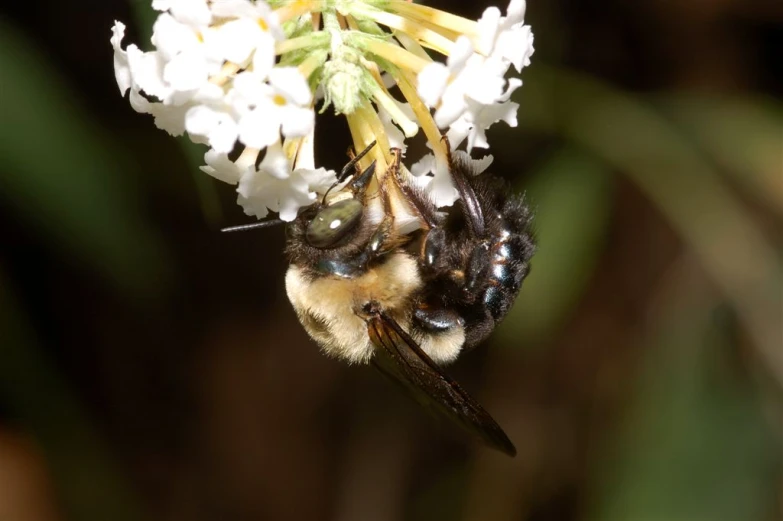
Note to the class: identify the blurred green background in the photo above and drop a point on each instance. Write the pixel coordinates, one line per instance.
(152, 368)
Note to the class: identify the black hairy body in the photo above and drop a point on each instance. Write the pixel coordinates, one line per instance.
(479, 277)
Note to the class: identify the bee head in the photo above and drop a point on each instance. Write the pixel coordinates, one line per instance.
(330, 225)
(329, 237)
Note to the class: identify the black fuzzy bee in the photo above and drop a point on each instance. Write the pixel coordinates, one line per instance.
(390, 280)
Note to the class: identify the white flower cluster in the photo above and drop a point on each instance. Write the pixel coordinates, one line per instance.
(213, 75)
(241, 77)
(470, 92)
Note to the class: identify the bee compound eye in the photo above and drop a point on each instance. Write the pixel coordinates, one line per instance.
(333, 223)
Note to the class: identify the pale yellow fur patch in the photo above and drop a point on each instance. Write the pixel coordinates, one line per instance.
(327, 306)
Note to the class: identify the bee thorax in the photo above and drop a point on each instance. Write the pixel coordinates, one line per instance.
(331, 308)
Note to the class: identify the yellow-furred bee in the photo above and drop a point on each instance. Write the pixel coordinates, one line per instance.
(389, 279)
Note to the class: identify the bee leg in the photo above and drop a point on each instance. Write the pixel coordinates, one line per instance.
(432, 248)
(418, 200)
(437, 320)
(468, 200)
(478, 264)
(383, 236)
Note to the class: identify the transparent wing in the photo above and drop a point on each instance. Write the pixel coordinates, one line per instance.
(399, 357)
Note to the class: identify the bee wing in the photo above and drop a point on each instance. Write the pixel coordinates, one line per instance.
(398, 356)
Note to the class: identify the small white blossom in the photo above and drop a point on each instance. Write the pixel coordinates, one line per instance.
(478, 118)
(275, 187)
(268, 107)
(506, 37)
(466, 77)
(221, 167)
(192, 12)
(438, 185)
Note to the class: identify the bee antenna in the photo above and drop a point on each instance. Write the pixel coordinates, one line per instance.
(346, 171)
(253, 226)
(347, 168)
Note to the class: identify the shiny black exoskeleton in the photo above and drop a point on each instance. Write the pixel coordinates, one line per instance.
(474, 259)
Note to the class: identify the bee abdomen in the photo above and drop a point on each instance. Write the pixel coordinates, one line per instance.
(509, 253)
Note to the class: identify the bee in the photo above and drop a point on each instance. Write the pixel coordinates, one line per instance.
(388, 279)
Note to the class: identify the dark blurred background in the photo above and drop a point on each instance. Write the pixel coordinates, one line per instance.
(152, 368)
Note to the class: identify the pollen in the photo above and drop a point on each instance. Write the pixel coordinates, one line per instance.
(262, 24)
(279, 100)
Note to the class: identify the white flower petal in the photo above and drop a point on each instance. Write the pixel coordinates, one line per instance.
(221, 167)
(441, 189)
(237, 39)
(186, 71)
(259, 128)
(298, 122)
(452, 106)
(191, 12)
(138, 102)
(463, 49)
(318, 180)
(487, 28)
(289, 82)
(171, 37)
(515, 12)
(275, 162)
(147, 72)
(217, 126)
(516, 46)
(432, 82)
(264, 55)
(169, 118)
(122, 71)
(423, 166)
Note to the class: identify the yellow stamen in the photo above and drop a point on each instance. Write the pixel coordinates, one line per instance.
(297, 8)
(301, 42)
(247, 158)
(382, 97)
(394, 54)
(434, 17)
(227, 72)
(363, 135)
(382, 149)
(279, 100)
(352, 25)
(290, 147)
(428, 37)
(312, 63)
(412, 45)
(305, 154)
(406, 81)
